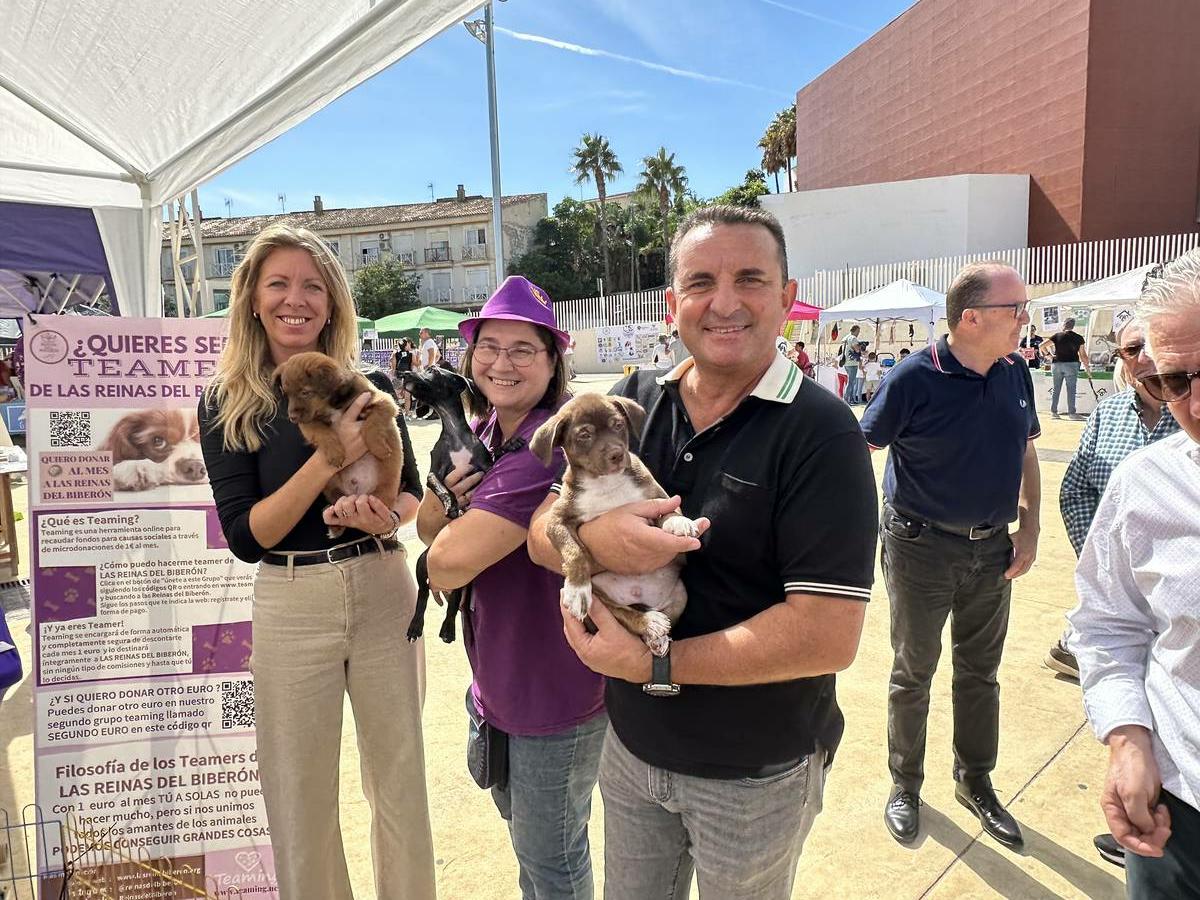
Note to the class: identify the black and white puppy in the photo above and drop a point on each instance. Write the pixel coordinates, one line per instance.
(456, 446)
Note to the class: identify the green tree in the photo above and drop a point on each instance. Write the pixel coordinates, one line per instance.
(562, 257)
(778, 145)
(595, 161)
(665, 182)
(747, 193)
(384, 287)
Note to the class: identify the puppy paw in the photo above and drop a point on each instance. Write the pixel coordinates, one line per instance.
(577, 599)
(335, 532)
(657, 634)
(136, 475)
(680, 526)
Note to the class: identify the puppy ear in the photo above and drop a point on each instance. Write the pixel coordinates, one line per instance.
(549, 435)
(346, 390)
(277, 377)
(633, 413)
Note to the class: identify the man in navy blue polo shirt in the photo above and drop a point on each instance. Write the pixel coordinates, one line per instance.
(960, 422)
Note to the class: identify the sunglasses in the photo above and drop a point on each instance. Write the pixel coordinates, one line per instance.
(1169, 387)
(1131, 352)
(1017, 308)
(520, 356)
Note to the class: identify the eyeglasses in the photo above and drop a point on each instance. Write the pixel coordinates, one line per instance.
(520, 355)
(1130, 352)
(1169, 387)
(1017, 308)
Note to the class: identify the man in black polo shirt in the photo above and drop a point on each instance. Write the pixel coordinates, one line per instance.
(716, 754)
(960, 422)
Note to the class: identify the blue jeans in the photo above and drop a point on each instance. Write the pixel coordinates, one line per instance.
(1070, 372)
(742, 837)
(852, 386)
(547, 803)
(1176, 874)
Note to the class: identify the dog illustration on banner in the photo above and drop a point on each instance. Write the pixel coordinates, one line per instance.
(153, 447)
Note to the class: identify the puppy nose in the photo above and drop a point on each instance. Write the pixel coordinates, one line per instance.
(192, 469)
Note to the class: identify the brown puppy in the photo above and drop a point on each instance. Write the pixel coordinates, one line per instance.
(319, 392)
(594, 432)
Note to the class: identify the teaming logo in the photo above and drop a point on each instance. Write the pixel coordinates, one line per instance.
(539, 296)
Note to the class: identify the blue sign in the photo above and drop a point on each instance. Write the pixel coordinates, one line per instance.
(14, 417)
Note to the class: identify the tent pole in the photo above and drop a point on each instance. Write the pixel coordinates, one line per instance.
(64, 170)
(494, 134)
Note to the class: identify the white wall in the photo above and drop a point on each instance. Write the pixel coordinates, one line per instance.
(901, 220)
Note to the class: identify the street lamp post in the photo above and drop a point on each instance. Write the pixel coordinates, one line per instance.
(483, 31)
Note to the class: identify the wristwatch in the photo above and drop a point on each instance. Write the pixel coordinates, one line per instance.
(660, 684)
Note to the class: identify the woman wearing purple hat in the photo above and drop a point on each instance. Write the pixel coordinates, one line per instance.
(528, 684)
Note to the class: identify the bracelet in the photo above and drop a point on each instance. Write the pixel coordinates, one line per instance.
(388, 535)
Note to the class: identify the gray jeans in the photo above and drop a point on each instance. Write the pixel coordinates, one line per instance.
(741, 837)
(1069, 372)
(931, 575)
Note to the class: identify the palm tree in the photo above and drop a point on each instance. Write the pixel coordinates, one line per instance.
(778, 145)
(785, 123)
(665, 181)
(595, 161)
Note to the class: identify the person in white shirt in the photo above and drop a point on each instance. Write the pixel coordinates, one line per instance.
(430, 354)
(871, 376)
(1137, 625)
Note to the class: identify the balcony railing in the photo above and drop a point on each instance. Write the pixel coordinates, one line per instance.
(223, 269)
(474, 251)
(475, 294)
(443, 295)
(369, 255)
(437, 254)
(407, 257)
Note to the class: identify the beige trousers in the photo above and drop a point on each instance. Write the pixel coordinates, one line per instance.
(320, 631)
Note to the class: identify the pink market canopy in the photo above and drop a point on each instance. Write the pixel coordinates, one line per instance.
(803, 312)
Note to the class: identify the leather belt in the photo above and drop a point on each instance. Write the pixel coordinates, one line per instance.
(970, 532)
(333, 554)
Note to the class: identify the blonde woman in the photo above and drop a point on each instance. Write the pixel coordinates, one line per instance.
(329, 616)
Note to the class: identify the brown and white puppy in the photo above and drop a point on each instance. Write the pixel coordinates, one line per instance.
(594, 432)
(151, 447)
(319, 391)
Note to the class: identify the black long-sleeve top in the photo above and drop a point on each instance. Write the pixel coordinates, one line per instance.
(241, 479)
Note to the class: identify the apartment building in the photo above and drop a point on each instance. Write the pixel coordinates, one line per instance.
(448, 242)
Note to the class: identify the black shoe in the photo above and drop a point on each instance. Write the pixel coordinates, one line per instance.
(977, 796)
(1062, 660)
(1109, 849)
(902, 815)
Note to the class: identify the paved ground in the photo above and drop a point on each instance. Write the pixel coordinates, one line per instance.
(1050, 771)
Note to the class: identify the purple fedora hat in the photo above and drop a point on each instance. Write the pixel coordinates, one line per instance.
(519, 300)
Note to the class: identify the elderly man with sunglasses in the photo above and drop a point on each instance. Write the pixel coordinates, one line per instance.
(1137, 628)
(959, 419)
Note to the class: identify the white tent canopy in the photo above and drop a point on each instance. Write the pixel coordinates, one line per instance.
(899, 300)
(124, 106)
(1113, 291)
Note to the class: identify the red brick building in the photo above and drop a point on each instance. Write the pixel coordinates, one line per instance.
(1097, 100)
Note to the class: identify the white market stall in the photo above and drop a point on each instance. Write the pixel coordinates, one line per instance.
(1092, 305)
(125, 111)
(900, 300)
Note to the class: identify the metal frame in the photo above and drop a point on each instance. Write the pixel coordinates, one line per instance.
(196, 297)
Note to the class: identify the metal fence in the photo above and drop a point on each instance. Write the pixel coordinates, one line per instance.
(1056, 264)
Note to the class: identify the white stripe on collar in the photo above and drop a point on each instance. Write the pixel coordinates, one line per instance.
(779, 383)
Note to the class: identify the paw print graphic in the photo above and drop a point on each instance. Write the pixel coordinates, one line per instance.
(70, 595)
(226, 637)
(208, 665)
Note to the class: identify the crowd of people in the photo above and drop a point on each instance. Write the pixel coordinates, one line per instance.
(712, 759)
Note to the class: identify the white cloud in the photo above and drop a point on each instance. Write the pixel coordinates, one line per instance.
(646, 64)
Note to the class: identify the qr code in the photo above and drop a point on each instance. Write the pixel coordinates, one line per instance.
(237, 704)
(71, 429)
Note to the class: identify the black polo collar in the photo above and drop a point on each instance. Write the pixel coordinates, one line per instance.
(947, 363)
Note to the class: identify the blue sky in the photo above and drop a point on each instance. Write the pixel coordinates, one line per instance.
(701, 77)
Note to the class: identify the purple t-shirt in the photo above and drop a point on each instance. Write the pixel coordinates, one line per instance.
(528, 680)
